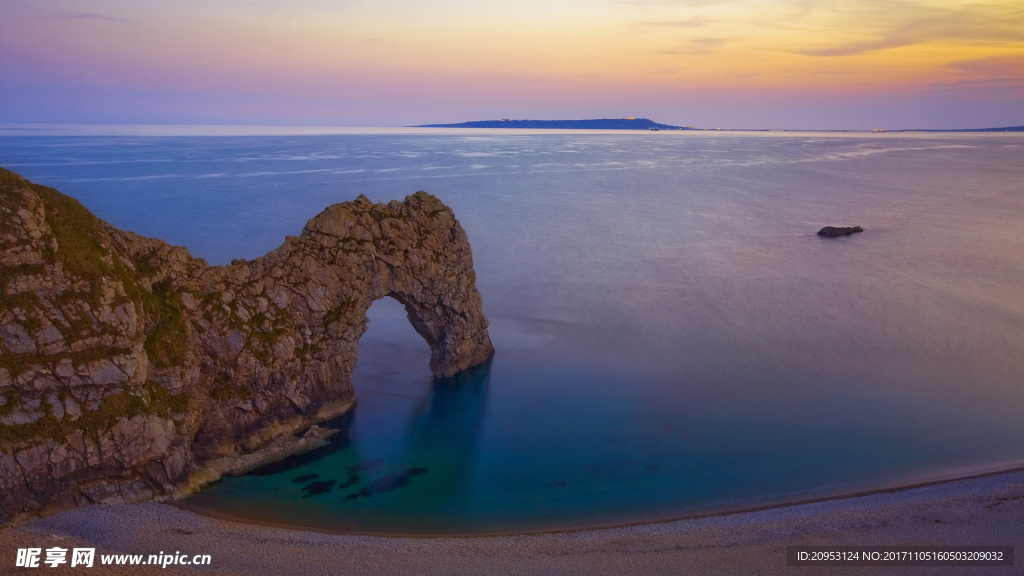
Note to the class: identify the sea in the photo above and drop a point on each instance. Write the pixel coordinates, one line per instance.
(672, 337)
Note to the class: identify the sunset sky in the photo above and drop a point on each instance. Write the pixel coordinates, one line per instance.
(739, 64)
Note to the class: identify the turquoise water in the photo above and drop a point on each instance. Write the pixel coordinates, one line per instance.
(672, 338)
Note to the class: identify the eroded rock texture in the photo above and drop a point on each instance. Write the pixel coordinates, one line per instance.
(130, 369)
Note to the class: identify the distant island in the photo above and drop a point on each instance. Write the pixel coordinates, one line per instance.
(1003, 129)
(597, 124)
(646, 124)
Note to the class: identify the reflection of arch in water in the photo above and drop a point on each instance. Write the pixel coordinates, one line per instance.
(443, 438)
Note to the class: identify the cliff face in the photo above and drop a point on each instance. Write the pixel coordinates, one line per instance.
(130, 369)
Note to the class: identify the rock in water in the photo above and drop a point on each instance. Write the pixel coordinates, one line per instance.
(833, 231)
(130, 369)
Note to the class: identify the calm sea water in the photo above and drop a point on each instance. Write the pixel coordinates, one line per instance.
(672, 338)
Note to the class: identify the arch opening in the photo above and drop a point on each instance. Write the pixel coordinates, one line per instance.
(394, 357)
(391, 380)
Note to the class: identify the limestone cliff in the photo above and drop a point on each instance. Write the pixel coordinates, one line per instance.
(130, 369)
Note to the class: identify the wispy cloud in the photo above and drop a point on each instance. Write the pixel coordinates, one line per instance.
(695, 22)
(697, 46)
(86, 16)
(888, 24)
(1010, 66)
(675, 3)
(531, 79)
(895, 41)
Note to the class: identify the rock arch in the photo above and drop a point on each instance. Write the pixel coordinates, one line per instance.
(130, 369)
(415, 252)
(312, 293)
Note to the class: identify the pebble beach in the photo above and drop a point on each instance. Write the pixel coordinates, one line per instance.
(987, 510)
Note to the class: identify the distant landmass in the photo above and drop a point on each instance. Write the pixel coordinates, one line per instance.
(1003, 129)
(597, 124)
(646, 124)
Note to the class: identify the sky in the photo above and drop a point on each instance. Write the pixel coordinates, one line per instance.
(844, 64)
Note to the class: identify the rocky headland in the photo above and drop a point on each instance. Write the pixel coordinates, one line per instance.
(131, 370)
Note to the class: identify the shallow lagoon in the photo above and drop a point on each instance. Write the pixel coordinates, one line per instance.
(672, 338)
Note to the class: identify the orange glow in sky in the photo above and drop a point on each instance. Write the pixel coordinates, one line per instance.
(764, 64)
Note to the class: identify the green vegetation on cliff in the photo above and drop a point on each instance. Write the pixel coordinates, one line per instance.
(167, 342)
(80, 244)
(152, 399)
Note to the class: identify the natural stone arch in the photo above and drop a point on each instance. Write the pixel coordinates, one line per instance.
(415, 252)
(317, 289)
(129, 368)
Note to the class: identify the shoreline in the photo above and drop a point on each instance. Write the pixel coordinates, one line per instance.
(984, 510)
(959, 474)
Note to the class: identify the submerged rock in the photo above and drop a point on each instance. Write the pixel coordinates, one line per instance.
(833, 231)
(352, 481)
(130, 369)
(368, 465)
(315, 488)
(385, 484)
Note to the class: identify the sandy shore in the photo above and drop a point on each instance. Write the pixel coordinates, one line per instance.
(979, 511)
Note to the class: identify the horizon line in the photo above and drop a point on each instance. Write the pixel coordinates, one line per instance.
(136, 129)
